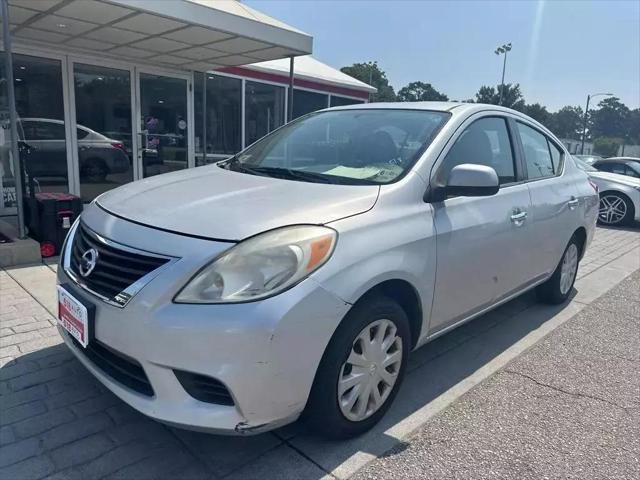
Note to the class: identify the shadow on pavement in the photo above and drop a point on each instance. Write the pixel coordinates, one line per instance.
(63, 385)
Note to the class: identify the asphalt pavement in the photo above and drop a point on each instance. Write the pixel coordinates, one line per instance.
(569, 407)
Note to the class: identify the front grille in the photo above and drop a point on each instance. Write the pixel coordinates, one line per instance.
(203, 388)
(119, 367)
(116, 269)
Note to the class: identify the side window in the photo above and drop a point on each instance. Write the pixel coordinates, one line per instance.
(39, 130)
(617, 168)
(556, 157)
(81, 133)
(631, 172)
(604, 167)
(485, 142)
(536, 152)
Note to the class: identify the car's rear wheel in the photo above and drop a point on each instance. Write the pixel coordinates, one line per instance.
(615, 209)
(361, 370)
(557, 289)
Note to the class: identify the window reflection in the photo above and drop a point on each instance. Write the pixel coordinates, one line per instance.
(337, 101)
(163, 101)
(306, 102)
(103, 116)
(41, 127)
(264, 110)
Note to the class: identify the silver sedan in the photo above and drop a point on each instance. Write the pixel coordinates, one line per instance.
(297, 276)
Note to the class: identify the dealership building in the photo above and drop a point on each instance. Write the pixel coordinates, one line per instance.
(111, 91)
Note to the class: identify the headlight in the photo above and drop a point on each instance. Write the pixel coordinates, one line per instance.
(261, 266)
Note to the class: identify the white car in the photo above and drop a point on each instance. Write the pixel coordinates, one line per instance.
(619, 196)
(298, 275)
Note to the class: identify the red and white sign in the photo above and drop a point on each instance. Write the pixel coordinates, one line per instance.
(73, 316)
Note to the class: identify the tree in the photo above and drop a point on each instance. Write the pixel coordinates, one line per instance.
(371, 74)
(420, 92)
(512, 97)
(633, 126)
(610, 119)
(567, 122)
(537, 112)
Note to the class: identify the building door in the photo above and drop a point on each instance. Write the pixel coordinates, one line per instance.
(164, 127)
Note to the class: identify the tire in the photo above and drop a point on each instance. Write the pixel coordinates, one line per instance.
(95, 170)
(324, 412)
(558, 287)
(615, 209)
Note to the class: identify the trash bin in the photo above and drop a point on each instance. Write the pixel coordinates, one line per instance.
(49, 216)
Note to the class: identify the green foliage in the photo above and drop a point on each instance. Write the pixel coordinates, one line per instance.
(511, 98)
(371, 74)
(610, 119)
(606, 146)
(420, 92)
(567, 122)
(632, 132)
(538, 112)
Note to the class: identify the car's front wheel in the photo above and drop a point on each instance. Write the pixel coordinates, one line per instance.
(615, 209)
(361, 370)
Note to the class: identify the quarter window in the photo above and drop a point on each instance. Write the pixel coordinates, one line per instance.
(536, 153)
(484, 142)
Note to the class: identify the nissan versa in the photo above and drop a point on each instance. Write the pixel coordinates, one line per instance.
(295, 278)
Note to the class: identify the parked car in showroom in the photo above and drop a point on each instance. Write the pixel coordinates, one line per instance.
(628, 166)
(44, 153)
(619, 196)
(296, 277)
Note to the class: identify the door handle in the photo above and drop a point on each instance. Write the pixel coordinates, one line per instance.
(573, 203)
(518, 218)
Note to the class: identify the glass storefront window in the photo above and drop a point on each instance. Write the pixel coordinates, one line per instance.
(7, 183)
(306, 102)
(103, 117)
(224, 115)
(41, 127)
(164, 138)
(264, 110)
(337, 101)
(198, 114)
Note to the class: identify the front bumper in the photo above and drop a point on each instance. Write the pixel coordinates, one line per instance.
(266, 353)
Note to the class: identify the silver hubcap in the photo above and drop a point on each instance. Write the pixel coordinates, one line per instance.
(612, 209)
(371, 370)
(569, 268)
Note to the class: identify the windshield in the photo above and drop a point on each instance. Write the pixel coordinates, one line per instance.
(371, 147)
(581, 164)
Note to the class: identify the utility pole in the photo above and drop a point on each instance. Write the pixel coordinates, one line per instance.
(503, 49)
(586, 112)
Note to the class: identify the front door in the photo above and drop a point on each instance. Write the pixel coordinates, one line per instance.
(481, 241)
(163, 123)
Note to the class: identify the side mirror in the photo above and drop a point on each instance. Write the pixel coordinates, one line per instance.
(472, 180)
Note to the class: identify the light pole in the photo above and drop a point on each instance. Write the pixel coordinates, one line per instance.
(499, 51)
(586, 111)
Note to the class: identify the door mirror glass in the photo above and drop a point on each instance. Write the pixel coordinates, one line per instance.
(472, 180)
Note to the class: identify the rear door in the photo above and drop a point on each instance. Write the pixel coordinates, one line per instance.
(482, 242)
(555, 206)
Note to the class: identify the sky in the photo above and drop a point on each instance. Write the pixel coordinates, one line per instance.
(562, 50)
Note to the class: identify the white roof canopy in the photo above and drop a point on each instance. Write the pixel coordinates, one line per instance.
(309, 68)
(185, 34)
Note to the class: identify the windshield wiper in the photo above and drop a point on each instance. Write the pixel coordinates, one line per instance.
(287, 173)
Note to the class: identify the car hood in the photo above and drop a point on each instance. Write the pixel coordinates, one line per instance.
(220, 204)
(617, 178)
